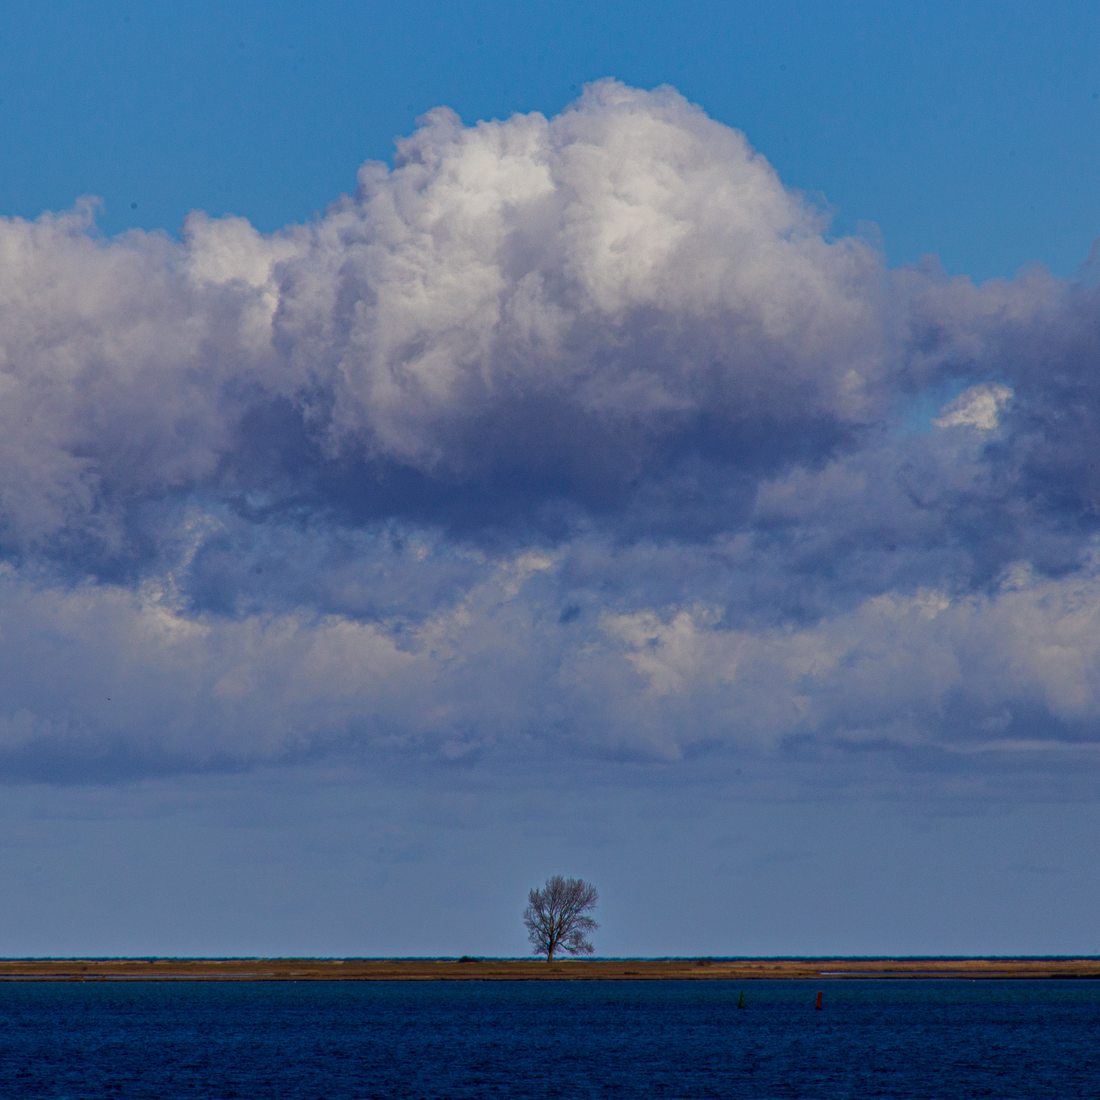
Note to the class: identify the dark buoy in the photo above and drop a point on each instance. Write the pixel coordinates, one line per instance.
(818, 1005)
(741, 999)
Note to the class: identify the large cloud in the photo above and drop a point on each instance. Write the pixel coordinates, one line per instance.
(630, 271)
(574, 434)
(540, 311)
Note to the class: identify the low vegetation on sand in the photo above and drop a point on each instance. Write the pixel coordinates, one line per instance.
(482, 969)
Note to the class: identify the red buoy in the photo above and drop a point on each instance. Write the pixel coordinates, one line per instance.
(818, 1005)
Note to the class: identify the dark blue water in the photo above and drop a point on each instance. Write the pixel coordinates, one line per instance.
(337, 1040)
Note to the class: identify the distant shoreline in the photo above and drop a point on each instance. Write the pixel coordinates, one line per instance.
(488, 969)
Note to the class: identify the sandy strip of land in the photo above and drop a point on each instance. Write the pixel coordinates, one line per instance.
(528, 970)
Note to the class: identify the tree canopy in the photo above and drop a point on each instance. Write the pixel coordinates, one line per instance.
(557, 916)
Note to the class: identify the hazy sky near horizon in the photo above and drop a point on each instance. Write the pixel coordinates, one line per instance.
(446, 445)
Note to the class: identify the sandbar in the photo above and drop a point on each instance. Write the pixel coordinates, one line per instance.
(490, 969)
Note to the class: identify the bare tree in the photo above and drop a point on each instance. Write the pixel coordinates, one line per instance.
(557, 916)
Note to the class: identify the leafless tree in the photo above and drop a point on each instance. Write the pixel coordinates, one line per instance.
(557, 916)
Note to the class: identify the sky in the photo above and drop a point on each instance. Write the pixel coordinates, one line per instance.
(443, 446)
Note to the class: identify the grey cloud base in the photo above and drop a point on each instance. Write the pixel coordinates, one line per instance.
(562, 435)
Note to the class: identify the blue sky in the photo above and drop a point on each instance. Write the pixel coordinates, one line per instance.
(458, 444)
(967, 131)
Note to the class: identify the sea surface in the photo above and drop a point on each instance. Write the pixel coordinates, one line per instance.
(337, 1040)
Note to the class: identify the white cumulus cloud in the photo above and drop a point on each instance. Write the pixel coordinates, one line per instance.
(569, 434)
